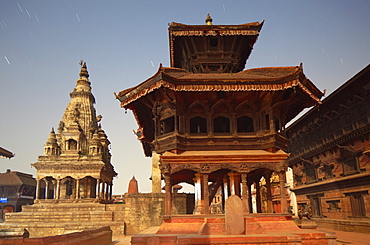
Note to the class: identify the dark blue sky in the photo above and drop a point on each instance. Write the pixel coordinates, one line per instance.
(123, 43)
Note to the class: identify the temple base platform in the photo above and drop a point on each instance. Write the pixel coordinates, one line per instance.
(211, 229)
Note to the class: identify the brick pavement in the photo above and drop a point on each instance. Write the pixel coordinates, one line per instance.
(343, 238)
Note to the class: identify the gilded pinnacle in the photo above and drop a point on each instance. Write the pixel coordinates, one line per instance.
(83, 72)
(208, 19)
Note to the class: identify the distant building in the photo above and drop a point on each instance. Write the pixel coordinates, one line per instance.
(330, 156)
(16, 189)
(5, 153)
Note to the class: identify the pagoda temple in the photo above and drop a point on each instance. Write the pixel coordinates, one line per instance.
(215, 124)
(76, 161)
(219, 127)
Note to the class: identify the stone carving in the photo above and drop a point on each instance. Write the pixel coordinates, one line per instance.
(205, 168)
(234, 219)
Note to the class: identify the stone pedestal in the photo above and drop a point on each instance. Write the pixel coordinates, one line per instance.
(306, 224)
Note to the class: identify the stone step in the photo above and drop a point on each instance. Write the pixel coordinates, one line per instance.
(86, 216)
(36, 229)
(59, 207)
(214, 229)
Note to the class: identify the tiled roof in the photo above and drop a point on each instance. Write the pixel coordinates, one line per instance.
(257, 79)
(257, 74)
(16, 179)
(5, 153)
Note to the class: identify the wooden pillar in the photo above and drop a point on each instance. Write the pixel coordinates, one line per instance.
(283, 198)
(269, 194)
(245, 194)
(205, 194)
(258, 197)
(168, 195)
(250, 205)
(197, 194)
(226, 188)
(232, 183)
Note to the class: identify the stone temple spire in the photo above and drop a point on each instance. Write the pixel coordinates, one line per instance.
(79, 120)
(78, 154)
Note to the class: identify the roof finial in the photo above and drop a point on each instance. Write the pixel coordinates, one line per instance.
(83, 72)
(208, 19)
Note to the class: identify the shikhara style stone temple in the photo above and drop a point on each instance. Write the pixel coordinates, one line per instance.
(74, 176)
(76, 162)
(216, 126)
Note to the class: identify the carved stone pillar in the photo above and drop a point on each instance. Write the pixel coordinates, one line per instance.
(98, 182)
(58, 189)
(110, 191)
(168, 195)
(102, 190)
(205, 194)
(55, 188)
(77, 196)
(245, 193)
(38, 181)
(156, 173)
(46, 188)
(106, 191)
(283, 198)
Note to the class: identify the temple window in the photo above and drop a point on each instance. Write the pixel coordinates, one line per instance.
(198, 125)
(315, 201)
(245, 124)
(357, 203)
(71, 144)
(168, 125)
(311, 175)
(221, 124)
(350, 164)
(333, 205)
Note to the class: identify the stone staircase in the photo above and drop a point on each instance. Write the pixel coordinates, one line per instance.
(56, 219)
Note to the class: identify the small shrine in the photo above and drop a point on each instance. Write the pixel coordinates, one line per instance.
(221, 129)
(76, 162)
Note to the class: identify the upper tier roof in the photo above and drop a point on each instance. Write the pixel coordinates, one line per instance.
(256, 79)
(191, 46)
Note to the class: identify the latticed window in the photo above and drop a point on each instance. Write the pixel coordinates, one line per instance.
(168, 125)
(357, 203)
(198, 125)
(245, 124)
(349, 161)
(311, 175)
(333, 205)
(221, 125)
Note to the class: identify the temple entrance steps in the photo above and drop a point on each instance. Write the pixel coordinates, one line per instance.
(60, 218)
(210, 229)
